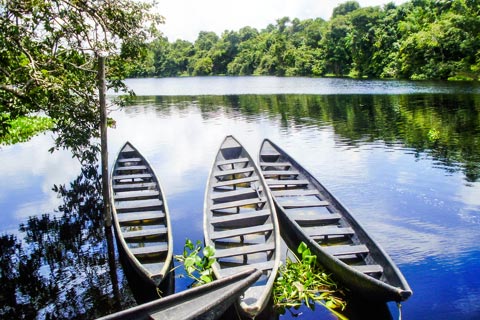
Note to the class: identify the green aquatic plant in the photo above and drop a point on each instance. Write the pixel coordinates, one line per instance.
(303, 281)
(196, 267)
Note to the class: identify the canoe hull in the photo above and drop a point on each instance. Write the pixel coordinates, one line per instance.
(241, 224)
(141, 218)
(207, 302)
(390, 286)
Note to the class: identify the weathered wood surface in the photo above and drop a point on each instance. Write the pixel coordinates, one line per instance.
(240, 222)
(140, 214)
(208, 301)
(308, 212)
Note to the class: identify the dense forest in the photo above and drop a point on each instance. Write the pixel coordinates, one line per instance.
(420, 39)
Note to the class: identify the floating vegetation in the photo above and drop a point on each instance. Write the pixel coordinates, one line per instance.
(304, 282)
(197, 268)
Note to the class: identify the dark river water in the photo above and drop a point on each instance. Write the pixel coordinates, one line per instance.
(404, 157)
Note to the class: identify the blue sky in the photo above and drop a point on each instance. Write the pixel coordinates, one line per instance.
(186, 18)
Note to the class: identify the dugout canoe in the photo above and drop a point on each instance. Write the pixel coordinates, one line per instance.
(308, 212)
(140, 216)
(208, 301)
(241, 224)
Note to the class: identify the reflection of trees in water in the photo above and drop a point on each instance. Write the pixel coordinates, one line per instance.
(442, 126)
(60, 269)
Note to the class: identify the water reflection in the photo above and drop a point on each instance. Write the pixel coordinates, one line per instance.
(407, 166)
(28, 173)
(291, 85)
(60, 270)
(444, 127)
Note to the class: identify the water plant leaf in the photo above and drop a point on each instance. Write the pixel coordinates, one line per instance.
(197, 267)
(303, 281)
(209, 251)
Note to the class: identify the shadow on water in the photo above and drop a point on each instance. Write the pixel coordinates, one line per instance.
(143, 291)
(359, 309)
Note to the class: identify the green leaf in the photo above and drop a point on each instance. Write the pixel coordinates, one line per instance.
(198, 260)
(302, 247)
(189, 244)
(206, 278)
(209, 251)
(189, 262)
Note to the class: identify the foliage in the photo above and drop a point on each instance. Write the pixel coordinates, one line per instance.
(197, 268)
(421, 39)
(48, 61)
(303, 281)
(24, 128)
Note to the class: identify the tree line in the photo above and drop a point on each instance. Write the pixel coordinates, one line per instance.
(420, 39)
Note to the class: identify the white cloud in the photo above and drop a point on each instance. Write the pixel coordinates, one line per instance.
(28, 174)
(186, 18)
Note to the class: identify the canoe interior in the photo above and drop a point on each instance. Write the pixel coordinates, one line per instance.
(141, 214)
(309, 213)
(240, 221)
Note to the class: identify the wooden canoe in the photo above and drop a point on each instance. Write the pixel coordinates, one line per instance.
(241, 224)
(308, 212)
(208, 301)
(140, 215)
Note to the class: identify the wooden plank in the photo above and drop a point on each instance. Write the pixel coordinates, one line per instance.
(304, 204)
(134, 186)
(140, 216)
(317, 232)
(232, 161)
(131, 168)
(241, 231)
(309, 217)
(369, 268)
(247, 249)
(275, 164)
(239, 217)
(233, 194)
(275, 182)
(233, 182)
(239, 203)
(342, 250)
(133, 176)
(129, 160)
(262, 266)
(270, 173)
(143, 251)
(127, 235)
(295, 192)
(270, 153)
(133, 195)
(222, 173)
(128, 148)
(137, 205)
(154, 267)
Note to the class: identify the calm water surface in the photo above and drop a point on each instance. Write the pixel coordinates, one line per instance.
(403, 156)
